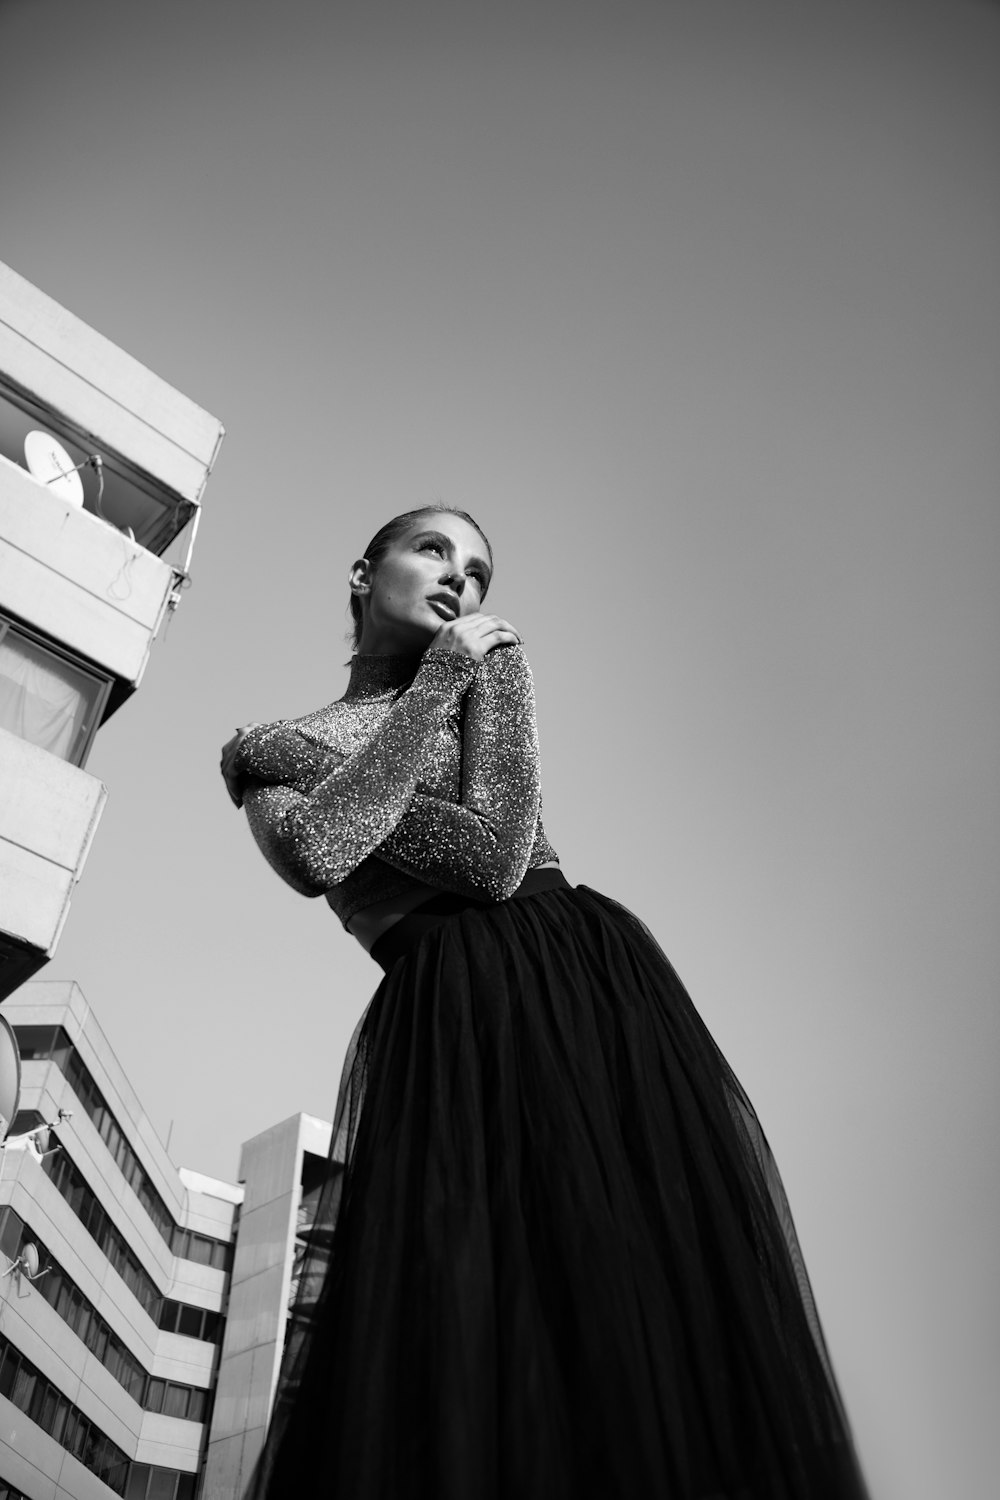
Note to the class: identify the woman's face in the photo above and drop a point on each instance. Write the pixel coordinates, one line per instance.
(437, 570)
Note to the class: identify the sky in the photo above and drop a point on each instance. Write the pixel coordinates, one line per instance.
(693, 304)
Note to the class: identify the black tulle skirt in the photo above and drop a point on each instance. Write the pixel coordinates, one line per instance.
(552, 1256)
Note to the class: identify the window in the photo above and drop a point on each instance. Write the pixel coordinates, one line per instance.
(190, 1321)
(137, 1480)
(10, 1234)
(175, 1400)
(162, 1483)
(35, 1042)
(46, 697)
(130, 498)
(24, 1386)
(197, 1404)
(8, 1371)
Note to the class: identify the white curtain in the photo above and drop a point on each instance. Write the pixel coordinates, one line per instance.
(40, 700)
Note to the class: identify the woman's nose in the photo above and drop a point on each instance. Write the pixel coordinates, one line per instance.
(454, 580)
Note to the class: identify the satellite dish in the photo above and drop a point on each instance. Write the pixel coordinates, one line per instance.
(29, 1260)
(52, 466)
(10, 1077)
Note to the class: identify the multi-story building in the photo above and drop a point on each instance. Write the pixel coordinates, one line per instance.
(143, 1307)
(102, 470)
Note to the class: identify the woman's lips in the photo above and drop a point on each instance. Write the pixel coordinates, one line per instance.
(444, 608)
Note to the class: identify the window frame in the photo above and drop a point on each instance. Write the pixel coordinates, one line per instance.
(104, 682)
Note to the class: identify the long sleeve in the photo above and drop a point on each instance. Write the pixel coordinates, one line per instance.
(315, 838)
(481, 846)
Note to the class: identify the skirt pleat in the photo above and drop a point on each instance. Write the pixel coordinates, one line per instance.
(563, 1263)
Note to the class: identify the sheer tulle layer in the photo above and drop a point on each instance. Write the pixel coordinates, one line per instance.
(563, 1263)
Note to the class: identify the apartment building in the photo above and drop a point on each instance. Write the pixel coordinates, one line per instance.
(143, 1307)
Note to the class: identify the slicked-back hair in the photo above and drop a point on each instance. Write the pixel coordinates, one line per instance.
(390, 532)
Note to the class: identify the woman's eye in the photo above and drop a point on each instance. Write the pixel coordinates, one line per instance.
(432, 547)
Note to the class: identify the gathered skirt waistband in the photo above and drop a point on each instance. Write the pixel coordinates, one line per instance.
(402, 935)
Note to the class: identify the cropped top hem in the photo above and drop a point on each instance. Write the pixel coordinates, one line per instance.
(351, 896)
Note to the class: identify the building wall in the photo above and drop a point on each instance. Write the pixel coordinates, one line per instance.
(257, 1221)
(271, 1170)
(84, 585)
(37, 1330)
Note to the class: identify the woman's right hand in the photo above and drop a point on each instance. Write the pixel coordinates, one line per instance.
(474, 635)
(227, 764)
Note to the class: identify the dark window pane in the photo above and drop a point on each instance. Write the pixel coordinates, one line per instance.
(99, 1339)
(114, 1358)
(49, 1408)
(8, 1371)
(185, 1487)
(197, 1402)
(62, 1049)
(59, 1419)
(134, 1382)
(24, 1387)
(175, 1401)
(190, 1322)
(10, 1233)
(50, 1285)
(35, 1042)
(154, 1395)
(69, 1439)
(162, 1484)
(201, 1250)
(137, 1480)
(37, 1402)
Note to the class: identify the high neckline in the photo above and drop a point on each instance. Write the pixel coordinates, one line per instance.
(371, 676)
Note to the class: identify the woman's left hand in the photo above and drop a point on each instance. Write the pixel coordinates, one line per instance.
(227, 764)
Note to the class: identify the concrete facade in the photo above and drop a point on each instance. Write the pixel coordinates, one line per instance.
(142, 1362)
(85, 584)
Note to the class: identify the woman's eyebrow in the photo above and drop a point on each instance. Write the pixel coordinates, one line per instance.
(449, 546)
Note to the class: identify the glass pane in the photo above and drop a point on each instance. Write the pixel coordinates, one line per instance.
(162, 1484)
(175, 1401)
(154, 1395)
(221, 1256)
(114, 1359)
(59, 1419)
(35, 1041)
(10, 1233)
(200, 1250)
(190, 1321)
(137, 1479)
(24, 1387)
(43, 698)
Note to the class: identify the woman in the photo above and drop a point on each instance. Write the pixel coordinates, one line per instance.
(563, 1263)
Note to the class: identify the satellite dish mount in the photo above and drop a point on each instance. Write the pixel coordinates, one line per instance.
(27, 1264)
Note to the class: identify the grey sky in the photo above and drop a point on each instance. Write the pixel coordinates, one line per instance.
(694, 305)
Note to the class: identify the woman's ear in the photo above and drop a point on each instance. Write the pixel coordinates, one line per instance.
(360, 577)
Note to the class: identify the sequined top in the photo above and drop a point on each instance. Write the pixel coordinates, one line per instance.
(424, 772)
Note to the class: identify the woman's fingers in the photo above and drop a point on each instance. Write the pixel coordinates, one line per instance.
(227, 764)
(474, 635)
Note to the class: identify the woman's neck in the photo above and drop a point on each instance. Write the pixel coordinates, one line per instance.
(372, 676)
